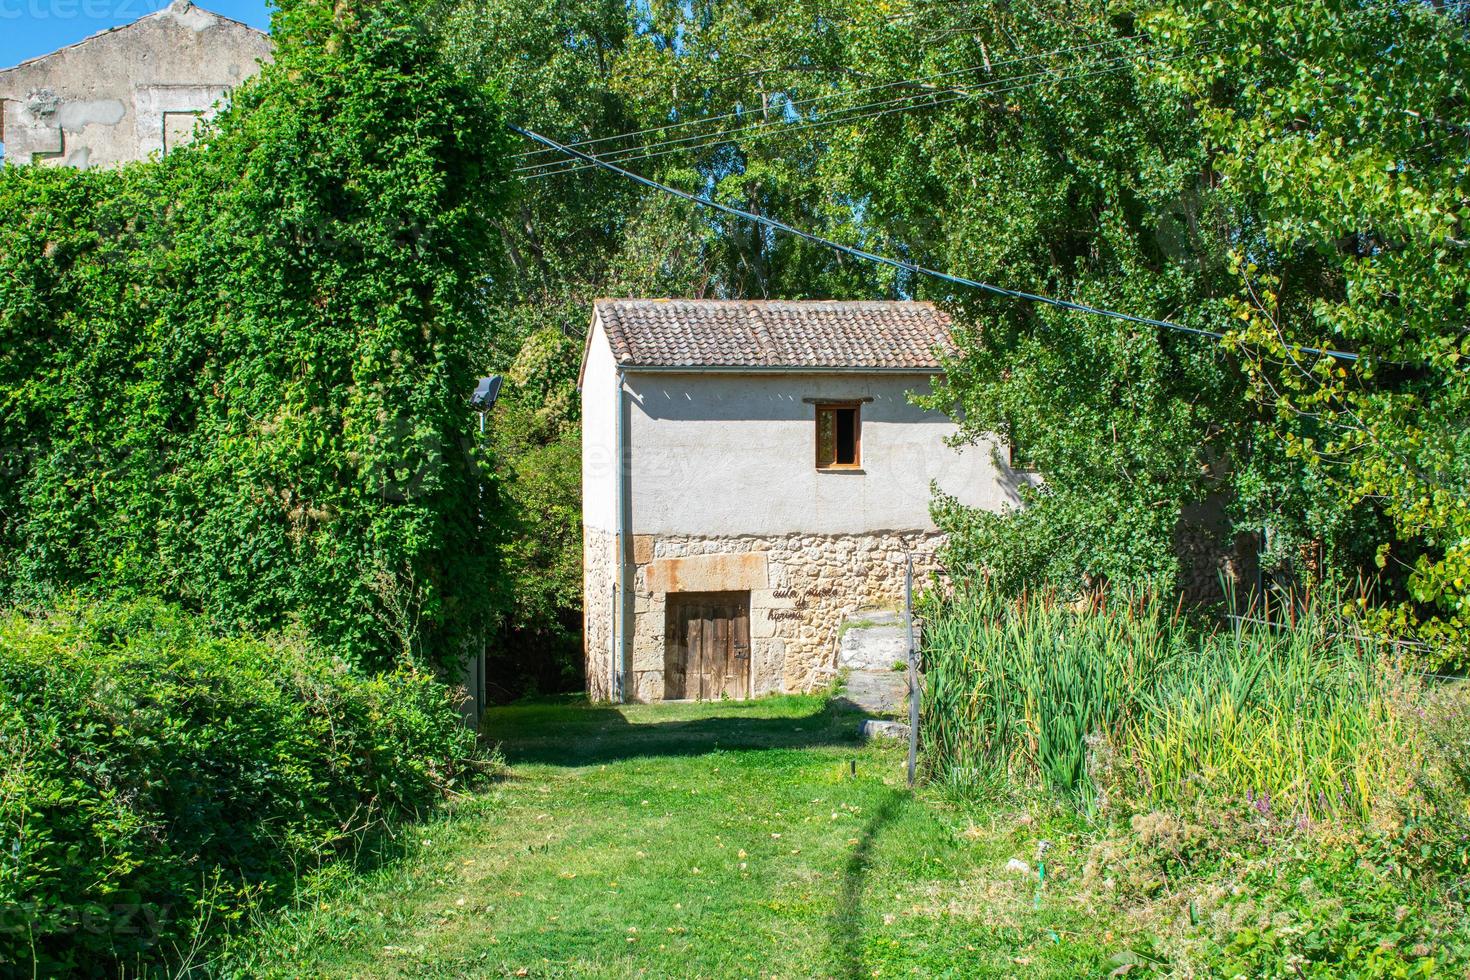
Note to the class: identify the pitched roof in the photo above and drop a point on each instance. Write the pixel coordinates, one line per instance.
(774, 334)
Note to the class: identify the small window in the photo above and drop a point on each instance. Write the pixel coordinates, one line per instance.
(839, 437)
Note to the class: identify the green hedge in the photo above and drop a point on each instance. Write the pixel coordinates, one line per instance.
(237, 378)
(156, 781)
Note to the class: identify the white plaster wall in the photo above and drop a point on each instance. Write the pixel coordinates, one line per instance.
(713, 453)
(110, 98)
(599, 434)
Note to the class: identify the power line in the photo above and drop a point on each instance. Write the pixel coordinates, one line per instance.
(898, 263)
(704, 141)
(843, 115)
(787, 106)
(583, 144)
(846, 115)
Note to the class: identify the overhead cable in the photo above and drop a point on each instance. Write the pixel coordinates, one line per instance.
(900, 263)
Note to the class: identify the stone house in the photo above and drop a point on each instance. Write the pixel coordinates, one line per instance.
(127, 93)
(753, 473)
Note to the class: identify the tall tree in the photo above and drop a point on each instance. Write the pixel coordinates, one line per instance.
(1341, 135)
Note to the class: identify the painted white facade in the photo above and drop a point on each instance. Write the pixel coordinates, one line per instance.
(599, 435)
(719, 492)
(726, 453)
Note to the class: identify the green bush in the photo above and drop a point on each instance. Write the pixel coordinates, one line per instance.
(1336, 912)
(156, 781)
(1439, 825)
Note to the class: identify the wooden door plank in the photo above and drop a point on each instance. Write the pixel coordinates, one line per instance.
(695, 683)
(707, 689)
(719, 667)
(676, 651)
(740, 688)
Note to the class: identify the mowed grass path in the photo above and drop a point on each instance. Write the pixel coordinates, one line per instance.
(734, 839)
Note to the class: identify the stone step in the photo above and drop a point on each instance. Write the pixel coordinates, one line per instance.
(873, 640)
(876, 728)
(877, 692)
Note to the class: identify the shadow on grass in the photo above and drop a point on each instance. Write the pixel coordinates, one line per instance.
(847, 919)
(569, 732)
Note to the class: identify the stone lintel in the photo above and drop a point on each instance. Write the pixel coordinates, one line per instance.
(708, 573)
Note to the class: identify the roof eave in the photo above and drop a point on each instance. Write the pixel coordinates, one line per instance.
(772, 369)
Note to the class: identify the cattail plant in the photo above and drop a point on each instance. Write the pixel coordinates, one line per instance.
(1016, 688)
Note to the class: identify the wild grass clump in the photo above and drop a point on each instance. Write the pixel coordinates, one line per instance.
(156, 781)
(1125, 695)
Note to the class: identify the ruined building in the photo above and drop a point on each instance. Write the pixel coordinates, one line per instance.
(127, 93)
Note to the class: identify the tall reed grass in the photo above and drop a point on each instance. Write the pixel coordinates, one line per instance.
(1126, 695)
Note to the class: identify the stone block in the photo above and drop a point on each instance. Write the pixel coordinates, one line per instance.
(642, 549)
(708, 573)
(648, 685)
(648, 655)
(873, 728)
(876, 647)
(761, 624)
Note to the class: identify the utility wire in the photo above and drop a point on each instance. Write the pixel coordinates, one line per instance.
(842, 116)
(898, 263)
(704, 141)
(786, 106)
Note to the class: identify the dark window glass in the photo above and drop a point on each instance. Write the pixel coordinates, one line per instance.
(846, 436)
(839, 437)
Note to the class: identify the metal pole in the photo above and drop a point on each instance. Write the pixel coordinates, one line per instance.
(620, 543)
(908, 608)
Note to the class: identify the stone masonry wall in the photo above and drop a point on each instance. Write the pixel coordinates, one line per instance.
(801, 587)
(598, 570)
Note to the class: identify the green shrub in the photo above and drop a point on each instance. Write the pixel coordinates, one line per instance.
(1438, 816)
(155, 780)
(1332, 913)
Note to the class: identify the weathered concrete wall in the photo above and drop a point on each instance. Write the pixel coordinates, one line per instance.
(127, 93)
(731, 454)
(801, 588)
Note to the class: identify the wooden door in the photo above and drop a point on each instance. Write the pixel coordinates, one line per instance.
(707, 645)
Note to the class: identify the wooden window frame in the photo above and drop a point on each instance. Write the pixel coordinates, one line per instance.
(832, 407)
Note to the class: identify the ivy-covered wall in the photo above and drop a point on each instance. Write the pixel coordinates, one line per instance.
(238, 377)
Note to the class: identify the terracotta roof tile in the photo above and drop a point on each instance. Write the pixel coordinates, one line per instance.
(774, 333)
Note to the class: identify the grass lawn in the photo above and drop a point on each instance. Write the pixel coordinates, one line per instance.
(725, 839)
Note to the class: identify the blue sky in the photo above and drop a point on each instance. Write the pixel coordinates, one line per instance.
(34, 27)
